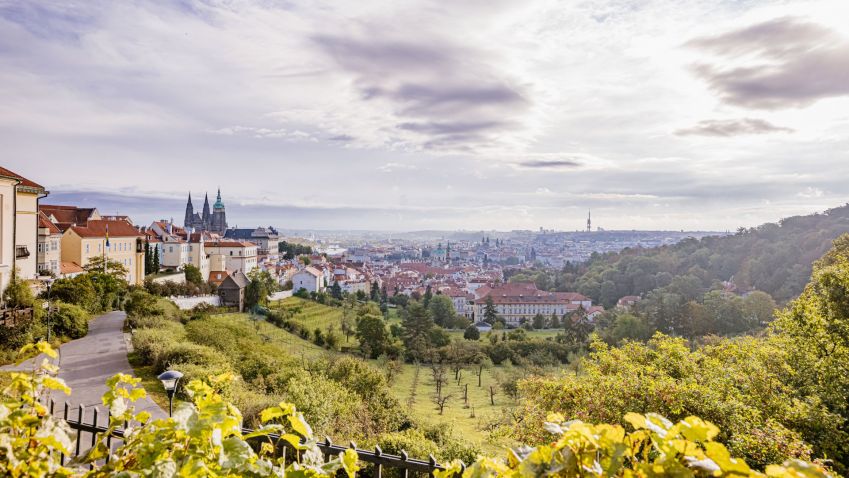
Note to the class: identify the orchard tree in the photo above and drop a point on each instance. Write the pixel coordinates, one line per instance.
(472, 333)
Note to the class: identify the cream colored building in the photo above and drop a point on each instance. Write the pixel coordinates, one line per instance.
(7, 229)
(238, 256)
(198, 256)
(18, 226)
(49, 247)
(126, 245)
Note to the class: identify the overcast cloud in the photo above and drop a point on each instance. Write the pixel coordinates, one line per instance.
(430, 114)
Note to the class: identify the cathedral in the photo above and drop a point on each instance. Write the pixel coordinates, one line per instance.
(215, 221)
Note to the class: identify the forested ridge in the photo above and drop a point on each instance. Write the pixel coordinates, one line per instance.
(774, 258)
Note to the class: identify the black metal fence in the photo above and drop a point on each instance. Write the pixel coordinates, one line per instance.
(90, 427)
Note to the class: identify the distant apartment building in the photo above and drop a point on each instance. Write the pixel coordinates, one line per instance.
(237, 255)
(517, 303)
(265, 238)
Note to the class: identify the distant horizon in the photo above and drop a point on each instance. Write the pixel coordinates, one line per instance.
(142, 210)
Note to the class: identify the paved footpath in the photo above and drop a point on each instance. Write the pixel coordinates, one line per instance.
(86, 363)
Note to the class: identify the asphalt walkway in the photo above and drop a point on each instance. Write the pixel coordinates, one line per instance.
(86, 363)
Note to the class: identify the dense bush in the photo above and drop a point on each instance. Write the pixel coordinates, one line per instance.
(186, 352)
(69, 320)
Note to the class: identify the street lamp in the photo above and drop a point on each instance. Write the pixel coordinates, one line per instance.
(169, 380)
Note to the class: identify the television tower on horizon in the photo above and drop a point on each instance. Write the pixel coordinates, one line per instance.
(589, 221)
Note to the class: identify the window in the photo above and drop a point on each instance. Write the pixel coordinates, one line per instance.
(170, 248)
(86, 249)
(54, 245)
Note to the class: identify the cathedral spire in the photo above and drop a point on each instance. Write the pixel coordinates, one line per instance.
(190, 211)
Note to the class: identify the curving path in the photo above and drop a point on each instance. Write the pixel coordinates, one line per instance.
(86, 363)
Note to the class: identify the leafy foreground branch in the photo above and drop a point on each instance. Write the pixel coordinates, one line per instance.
(204, 438)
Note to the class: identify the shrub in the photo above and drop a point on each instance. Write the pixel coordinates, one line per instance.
(69, 320)
(150, 344)
(186, 352)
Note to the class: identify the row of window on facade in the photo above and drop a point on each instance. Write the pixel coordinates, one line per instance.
(117, 247)
(44, 247)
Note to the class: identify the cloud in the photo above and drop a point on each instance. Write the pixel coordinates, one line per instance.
(781, 63)
(280, 133)
(391, 167)
(732, 127)
(423, 83)
(549, 164)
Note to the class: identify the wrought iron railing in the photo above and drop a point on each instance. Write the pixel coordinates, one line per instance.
(375, 463)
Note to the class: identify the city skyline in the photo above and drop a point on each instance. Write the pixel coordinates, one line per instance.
(655, 115)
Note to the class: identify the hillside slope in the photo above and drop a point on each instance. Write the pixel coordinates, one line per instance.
(774, 258)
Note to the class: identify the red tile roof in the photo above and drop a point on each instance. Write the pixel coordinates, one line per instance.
(45, 223)
(66, 216)
(97, 228)
(70, 268)
(24, 181)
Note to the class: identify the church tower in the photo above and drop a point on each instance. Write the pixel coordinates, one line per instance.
(219, 217)
(205, 217)
(190, 212)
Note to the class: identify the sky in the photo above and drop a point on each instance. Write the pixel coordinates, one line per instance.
(423, 114)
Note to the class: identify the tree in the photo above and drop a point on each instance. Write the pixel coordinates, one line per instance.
(490, 315)
(539, 321)
(554, 322)
(373, 337)
(79, 290)
(759, 307)
(483, 362)
(417, 328)
(492, 393)
(260, 286)
(336, 290)
(18, 294)
(472, 333)
(148, 259)
(577, 327)
(348, 327)
(155, 260)
(428, 295)
(442, 311)
(193, 275)
(441, 401)
(726, 313)
(113, 268)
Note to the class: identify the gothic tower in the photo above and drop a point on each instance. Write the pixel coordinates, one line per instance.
(206, 218)
(190, 212)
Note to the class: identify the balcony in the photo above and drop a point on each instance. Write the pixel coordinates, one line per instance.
(21, 252)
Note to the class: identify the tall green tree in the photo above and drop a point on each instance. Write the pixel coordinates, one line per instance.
(155, 260)
(441, 310)
(490, 314)
(428, 295)
(417, 327)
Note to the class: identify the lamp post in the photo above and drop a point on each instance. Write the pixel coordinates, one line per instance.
(169, 380)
